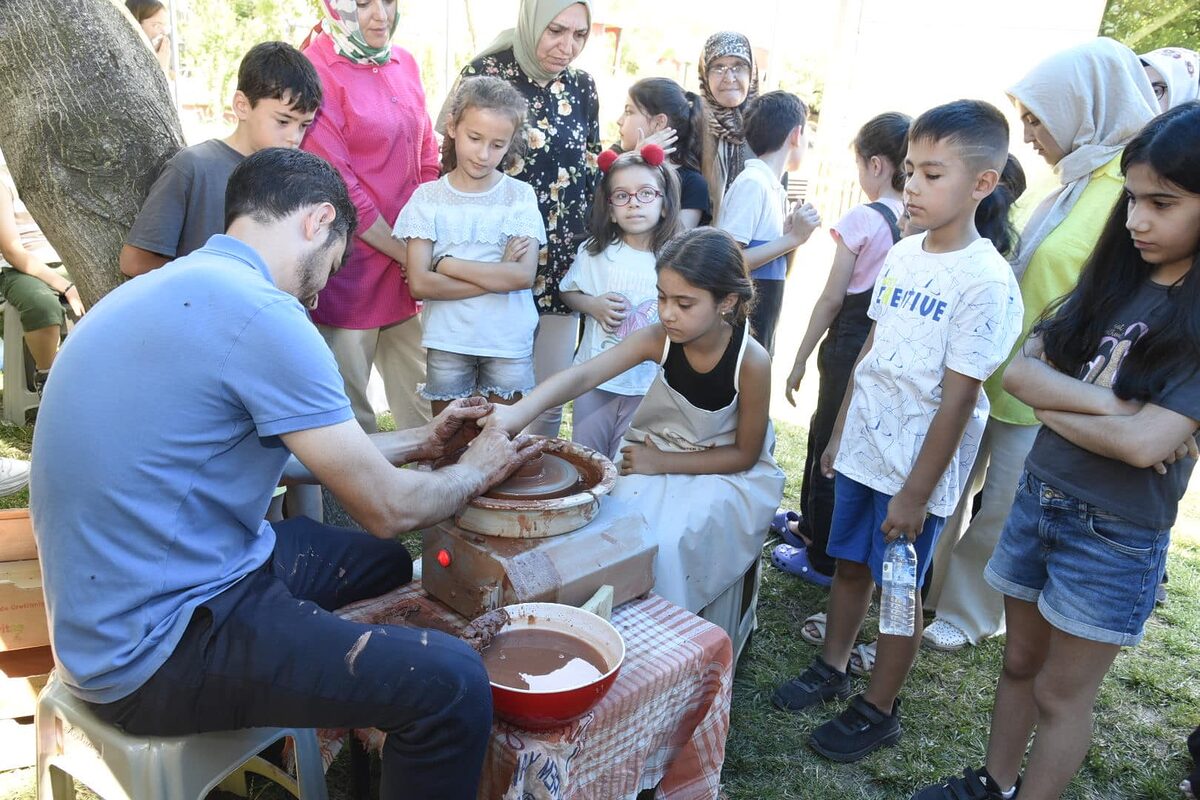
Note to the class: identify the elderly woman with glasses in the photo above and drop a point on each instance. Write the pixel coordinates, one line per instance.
(728, 82)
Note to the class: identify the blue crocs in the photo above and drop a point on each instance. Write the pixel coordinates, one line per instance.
(794, 561)
(781, 527)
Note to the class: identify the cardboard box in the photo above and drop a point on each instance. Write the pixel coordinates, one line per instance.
(22, 606)
(16, 535)
(23, 673)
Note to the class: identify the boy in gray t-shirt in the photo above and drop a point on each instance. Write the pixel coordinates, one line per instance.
(278, 93)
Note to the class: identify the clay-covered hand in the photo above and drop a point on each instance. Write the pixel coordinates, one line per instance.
(496, 456)
(905, 517)
(610, 310)
(502, 418)
(642, 459)
(454, 428)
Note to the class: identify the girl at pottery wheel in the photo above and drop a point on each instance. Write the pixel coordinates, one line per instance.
(697, 458)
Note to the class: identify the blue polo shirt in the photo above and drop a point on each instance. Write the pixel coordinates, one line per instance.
(157, 449)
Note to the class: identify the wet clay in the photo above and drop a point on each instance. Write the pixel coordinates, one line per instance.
(542, 660)
(543, 477)
(481, 631)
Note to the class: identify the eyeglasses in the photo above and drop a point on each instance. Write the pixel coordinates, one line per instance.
(732, 70)
(645, 196)
(1160, 89)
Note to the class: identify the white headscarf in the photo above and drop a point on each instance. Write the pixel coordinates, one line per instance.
(1092, 99)
(1180, 70)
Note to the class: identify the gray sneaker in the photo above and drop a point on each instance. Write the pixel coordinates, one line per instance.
(14, 475)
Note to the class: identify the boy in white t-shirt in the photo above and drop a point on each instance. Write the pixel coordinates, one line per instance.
(947, 311)
(754, 210)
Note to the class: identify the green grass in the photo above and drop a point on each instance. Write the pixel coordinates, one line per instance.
(1148, 703)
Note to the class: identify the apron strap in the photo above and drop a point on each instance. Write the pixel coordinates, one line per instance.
(737, 370)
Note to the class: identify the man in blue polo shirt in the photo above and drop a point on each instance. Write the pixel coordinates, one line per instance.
(167, 422)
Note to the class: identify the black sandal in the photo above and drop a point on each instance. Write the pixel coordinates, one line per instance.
(818, 684)
(971, 785)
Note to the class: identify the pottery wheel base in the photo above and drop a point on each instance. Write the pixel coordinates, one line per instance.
(545, 477)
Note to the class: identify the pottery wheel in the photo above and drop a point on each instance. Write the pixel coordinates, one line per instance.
(542, 477)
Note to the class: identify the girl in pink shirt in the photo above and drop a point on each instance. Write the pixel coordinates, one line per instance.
(374, 128)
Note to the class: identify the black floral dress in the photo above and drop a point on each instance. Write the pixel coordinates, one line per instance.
(563, 137)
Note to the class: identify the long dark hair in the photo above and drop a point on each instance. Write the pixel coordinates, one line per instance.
(710, 259)
(993, 217)
(1074, 326)
(603, 231)
(684, 112)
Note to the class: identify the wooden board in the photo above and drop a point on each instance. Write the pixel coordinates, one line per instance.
(16, 535)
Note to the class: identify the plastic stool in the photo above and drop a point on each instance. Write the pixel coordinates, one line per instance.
(73, 743)
(18, 397)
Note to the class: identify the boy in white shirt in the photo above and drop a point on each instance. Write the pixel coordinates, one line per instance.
(947, 311)
(754, 211)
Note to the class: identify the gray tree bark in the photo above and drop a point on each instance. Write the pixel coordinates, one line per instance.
(86, 123)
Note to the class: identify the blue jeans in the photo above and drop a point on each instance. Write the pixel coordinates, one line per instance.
(1091, 573)
(269, 652)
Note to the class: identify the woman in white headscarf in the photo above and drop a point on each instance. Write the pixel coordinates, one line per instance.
(1079, 108)
(1174, 74)
(563, 138)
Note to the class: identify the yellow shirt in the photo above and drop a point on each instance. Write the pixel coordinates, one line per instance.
(1053, 272)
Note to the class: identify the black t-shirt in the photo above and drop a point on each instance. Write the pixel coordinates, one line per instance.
(1139, 495)
(693, 193)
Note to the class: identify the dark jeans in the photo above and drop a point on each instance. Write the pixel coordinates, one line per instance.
(269, 652)
(764, 316)
(835, 364)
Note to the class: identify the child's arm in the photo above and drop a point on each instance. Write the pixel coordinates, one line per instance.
(135, 261)
(835, 438)
(608, 309)
(426, 285)
(907, 509)
(823, 313)
(799, 226)
(1153, 437)
(645, 344)
(515, 271)
(1034, 382)
(754, 395)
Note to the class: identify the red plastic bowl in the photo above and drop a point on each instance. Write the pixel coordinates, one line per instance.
(535, 710)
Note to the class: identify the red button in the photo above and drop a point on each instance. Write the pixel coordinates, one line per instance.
(443, 558)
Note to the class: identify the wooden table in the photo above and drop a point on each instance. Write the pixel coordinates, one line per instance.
(662, 724)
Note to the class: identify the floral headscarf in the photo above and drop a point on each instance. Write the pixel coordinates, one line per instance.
(726, 124)
(341, 25)
(1180, 71)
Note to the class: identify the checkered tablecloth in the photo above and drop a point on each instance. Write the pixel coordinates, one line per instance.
(663, 723)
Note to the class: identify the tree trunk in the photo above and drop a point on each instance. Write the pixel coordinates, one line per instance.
(86, 122)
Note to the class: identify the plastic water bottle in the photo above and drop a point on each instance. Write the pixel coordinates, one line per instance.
(898, 602)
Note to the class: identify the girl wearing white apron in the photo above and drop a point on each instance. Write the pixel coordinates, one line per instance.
(697, 461)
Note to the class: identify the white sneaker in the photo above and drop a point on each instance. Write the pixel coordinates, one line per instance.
(14, 475)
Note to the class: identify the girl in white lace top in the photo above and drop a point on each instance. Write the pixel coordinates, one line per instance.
(473, 238)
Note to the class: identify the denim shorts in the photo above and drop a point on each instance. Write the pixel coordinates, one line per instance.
(1091, 573)
(855, 535)
(449, 376)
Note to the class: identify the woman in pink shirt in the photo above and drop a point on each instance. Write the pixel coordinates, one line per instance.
(374, 128)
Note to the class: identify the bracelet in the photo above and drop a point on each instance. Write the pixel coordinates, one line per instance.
(437, 261)
(63, 293)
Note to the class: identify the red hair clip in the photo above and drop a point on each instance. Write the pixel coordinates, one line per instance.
(605, 160)
(653, 155)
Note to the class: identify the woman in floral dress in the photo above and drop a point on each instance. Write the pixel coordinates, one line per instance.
(560, 162)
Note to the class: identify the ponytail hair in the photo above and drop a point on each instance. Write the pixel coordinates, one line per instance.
(710, 259)
(490, 94)
(993, 218)
(684, 112)
(885, 136)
